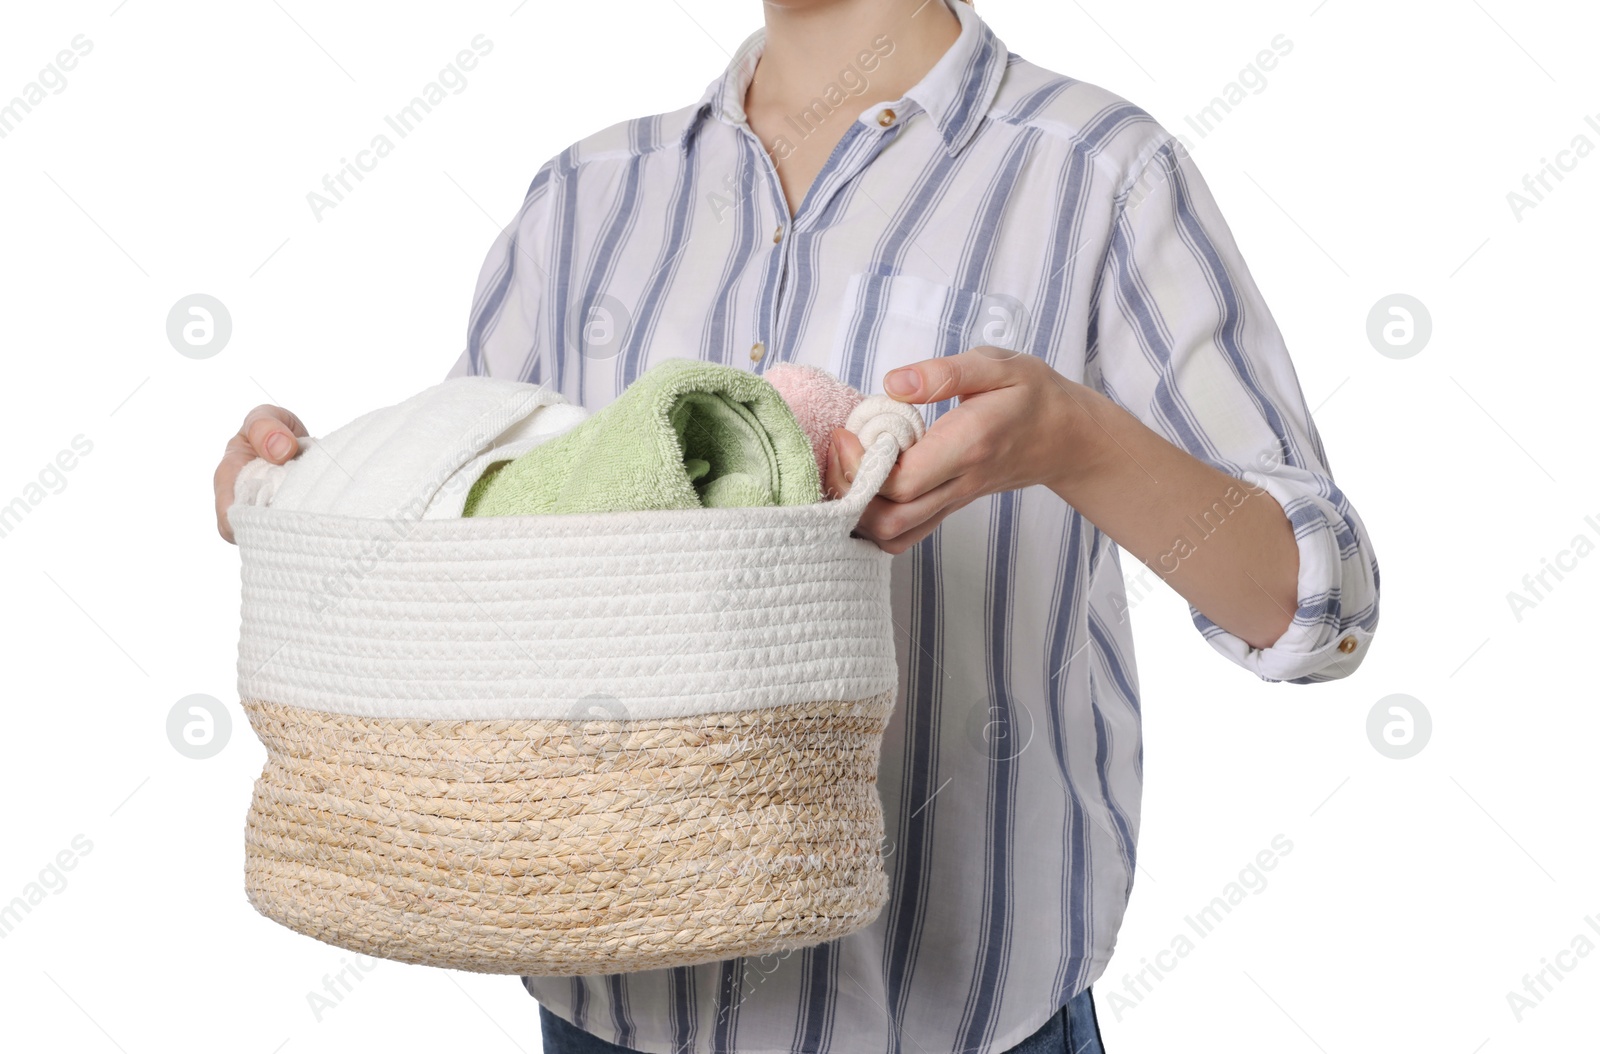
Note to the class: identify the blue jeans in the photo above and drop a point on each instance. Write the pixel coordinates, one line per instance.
(1074, 1030)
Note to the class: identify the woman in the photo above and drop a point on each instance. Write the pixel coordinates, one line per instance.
(878, 188)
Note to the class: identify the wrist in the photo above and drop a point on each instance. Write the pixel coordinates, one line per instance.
(1082, 438)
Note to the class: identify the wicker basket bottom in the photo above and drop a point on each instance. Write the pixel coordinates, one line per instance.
(554, 847)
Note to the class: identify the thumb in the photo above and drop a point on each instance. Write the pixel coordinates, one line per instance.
(932, 380)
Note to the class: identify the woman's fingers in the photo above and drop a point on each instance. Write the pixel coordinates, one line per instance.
(940, 456)
(980, 369)
(269, 432)
(897, 526)
(844, 458)
(925, 484)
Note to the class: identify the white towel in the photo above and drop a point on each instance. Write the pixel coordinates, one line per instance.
(414, 460)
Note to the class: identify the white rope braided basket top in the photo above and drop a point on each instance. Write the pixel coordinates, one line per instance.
(568, 744)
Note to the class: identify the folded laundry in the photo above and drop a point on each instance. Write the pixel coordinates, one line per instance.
(685, 434)
(414, 460)
(820, 401)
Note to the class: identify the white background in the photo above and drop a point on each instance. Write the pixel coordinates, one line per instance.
(1377, 160)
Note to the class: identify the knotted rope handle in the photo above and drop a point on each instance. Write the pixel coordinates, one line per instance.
(887, 429)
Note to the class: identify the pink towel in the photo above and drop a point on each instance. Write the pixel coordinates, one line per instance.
(820, 401)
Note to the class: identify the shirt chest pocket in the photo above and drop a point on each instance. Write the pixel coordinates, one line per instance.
(888, 321)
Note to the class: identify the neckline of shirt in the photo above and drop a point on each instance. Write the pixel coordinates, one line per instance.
(956, 93)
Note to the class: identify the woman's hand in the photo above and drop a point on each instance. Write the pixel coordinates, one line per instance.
(1019, 423)
(1010, 430)
(269, 432)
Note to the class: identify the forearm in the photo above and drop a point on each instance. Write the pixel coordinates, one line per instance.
(1225, 546)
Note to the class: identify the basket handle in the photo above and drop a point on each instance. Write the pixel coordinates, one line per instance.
(887, 428)
(870, 476)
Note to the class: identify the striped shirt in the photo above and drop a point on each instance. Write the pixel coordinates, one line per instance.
(995, 203)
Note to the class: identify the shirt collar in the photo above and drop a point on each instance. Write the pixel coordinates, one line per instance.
(955, 93)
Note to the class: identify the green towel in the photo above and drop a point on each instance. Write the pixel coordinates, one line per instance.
(686, 434)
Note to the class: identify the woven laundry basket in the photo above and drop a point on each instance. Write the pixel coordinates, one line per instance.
(552, 745)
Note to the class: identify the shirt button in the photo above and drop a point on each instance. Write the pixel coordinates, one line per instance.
(886, 117)
(777, 236)
(756, 351)
(1348, 645)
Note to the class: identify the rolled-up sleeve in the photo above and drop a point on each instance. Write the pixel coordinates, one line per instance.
(1182, 338)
